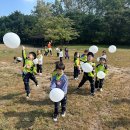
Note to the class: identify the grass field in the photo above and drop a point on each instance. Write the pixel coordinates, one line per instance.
(109, 110)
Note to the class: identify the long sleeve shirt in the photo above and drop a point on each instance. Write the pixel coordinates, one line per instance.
(60, 82)
(29, 66)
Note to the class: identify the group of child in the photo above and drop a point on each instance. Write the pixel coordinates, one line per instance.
(87, 57)
(59, 79)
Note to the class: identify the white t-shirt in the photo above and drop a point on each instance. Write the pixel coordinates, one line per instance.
(61, 54)
(40, 59)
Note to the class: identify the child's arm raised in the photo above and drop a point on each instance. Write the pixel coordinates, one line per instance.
(24, 53)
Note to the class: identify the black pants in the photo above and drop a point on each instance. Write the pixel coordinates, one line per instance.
(50, 52)
(90, 79)
(46, 54)
(39, 68)
(57, 54)
(26, 78)
(99, 83)
(63, 106)
(61, 59)
(76, 72)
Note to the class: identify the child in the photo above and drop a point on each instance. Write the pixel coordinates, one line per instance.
(76, 65)
(58, 51)
(83, 58)
(102, 66)
(17, 59)
(60, 81)
(46, 51)
(29, 70)
(61, 55)
(104, 54)
(89, 76)
(66, 53)
(40, 62)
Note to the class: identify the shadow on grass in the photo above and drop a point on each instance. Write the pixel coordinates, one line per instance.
(27, 119)
(44, 102)
(120, 122)
(10, 96)
(123, 100)
(83, 91)
(69, 73)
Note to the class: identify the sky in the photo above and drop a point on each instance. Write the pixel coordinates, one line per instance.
(24, 6)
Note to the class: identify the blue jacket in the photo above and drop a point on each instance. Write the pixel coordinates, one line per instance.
(62, 83)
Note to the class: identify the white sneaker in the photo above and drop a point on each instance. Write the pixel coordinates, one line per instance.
(101, 89)
(55, 118)
(28, 96)
(40, 74)
(37, 86)
(63, 114)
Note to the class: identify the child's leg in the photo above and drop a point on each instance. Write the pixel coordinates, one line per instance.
(26, 83)
(84, 79)
(33, 78)
(101, 81)
(40, 68)
(76, 72)
(91, 80)
(56, 108)
(37, 68)
(63, 104)
(97, 83)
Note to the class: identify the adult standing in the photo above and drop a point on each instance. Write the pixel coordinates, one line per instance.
(50, 47)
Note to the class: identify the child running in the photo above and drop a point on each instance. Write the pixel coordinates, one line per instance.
(60, 80)
(102, 66)
(40, 62)
(76, 65)
(29, 70)
(89, 76)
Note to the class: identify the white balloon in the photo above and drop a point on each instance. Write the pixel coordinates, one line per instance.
(98, 59)
(93, 49)
(56, 95)
(112, 49)
(86, 67)
(101, 75)
(11, 40)
(35, 61)
(57, 49)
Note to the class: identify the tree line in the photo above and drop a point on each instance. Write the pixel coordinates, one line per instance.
(73, 22)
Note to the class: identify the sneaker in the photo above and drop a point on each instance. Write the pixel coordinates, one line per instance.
(101, 89)
(63, 114)
(28, 96)
(55, 118)
(40, 74)
(92, 94)
(37, 86)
